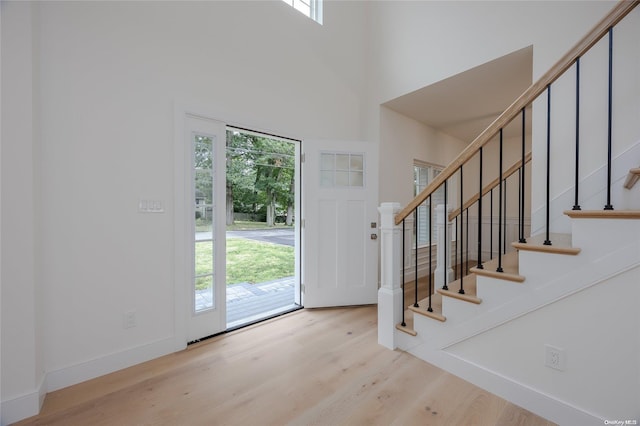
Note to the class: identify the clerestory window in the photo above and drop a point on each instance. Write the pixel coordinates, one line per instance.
(311, 8)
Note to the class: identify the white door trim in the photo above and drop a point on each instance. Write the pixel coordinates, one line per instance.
(186, 320)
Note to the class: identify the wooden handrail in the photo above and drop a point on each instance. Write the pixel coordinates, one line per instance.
(619, 11)
(511, 170)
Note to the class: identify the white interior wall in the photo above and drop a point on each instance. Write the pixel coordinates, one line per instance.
(593, 119)
(405, 57)
(96, 58)
(106, 77)
(404, 140)
(22, 362)
(512, 153)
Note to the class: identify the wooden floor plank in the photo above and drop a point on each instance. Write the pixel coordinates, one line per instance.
(319, 366)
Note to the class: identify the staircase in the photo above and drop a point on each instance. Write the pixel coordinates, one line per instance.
(550, 321)
(575, 294)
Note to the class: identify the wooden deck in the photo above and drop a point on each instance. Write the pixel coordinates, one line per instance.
(248, 303)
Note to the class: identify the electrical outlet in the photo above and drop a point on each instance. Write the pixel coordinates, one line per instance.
(555, 358)
(129, 319)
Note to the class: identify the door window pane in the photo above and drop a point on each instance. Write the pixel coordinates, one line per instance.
(342, 178)
(342, 161)
(341, 169)
(357, 179)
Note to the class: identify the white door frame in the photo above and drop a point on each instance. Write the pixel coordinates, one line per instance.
(182, 291)
(192, 325)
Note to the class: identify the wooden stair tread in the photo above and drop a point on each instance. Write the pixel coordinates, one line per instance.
(603, 214)
(408, 327)
(436, 305)
(470, 292)
(632, 178)
(560, 244)
(509, 267)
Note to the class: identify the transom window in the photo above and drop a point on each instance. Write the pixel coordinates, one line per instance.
(310, 8)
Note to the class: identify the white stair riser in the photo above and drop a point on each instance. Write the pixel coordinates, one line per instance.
(497, 292)
(458, 311)
(603, 235)
(554, 264)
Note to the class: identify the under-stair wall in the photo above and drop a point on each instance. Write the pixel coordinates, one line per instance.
(585, 93)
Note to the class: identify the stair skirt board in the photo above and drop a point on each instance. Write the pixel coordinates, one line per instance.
(520, 394)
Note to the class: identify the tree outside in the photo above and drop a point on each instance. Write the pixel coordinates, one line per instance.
(260, 190)
(260, 178)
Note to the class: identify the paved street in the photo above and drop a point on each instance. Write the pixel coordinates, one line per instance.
(283, 236)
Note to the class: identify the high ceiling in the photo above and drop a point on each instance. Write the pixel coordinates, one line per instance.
(465, 104)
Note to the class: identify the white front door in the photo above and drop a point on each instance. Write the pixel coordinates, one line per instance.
(340, 196)
(200, 226)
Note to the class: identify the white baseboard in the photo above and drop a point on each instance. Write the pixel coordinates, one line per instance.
(528, 398)
(23, 406)
(29, 404)
(97, 367)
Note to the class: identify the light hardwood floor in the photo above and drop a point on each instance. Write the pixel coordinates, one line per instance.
(320, 367)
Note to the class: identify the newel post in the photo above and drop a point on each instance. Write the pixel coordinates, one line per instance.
(390, 303)
(443, 226)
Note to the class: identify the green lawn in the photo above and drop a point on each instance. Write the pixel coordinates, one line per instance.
(247, 261)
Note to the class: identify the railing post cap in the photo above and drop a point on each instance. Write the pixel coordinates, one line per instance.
(388, 213)
(386, 207)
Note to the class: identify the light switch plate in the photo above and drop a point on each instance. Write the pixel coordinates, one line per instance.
(150, 206)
